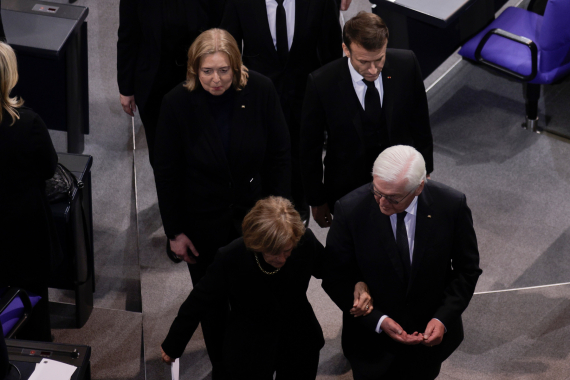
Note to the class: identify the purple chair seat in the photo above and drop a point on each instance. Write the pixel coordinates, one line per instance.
(550, 33)
(14, 311)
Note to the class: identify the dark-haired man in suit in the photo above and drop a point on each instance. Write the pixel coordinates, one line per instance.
(412, 242)
(370, 100)
(286, 40)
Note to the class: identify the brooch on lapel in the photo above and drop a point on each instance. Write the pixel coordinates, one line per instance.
(243, 106)
(429, 216)
(389, 77)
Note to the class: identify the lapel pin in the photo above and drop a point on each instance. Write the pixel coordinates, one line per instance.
(389, 77)
(243, 106)
(429, 216)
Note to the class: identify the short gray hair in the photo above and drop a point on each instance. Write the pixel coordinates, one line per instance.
(399, 162)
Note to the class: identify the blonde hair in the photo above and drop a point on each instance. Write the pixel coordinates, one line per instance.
(8, 80)
(271, 225)
(210, 42)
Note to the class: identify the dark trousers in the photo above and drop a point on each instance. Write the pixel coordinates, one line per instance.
(292, 111)
(149, 116)
(207, 244)
(399, 369)
(150, 111)
(290, 365)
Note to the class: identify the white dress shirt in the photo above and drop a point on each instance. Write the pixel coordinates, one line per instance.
(289, 6)
(360, 86)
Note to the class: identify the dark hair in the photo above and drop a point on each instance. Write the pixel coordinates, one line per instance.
(367, 30)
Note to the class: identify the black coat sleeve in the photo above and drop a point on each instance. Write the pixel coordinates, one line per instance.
(342, 270)
(169, 166)
(44, 152)
(276, 169)
(313, 125)
(420, 125)
(127, 46)
(208, 294)
(465, 263)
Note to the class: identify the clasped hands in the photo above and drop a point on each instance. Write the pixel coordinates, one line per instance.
(433, 335)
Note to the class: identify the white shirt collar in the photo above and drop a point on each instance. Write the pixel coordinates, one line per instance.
(413, 207)
(356, 77)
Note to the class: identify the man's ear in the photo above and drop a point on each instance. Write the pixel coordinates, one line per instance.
(346, 50)
(420, 188)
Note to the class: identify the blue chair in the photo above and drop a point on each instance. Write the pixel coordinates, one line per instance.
(528, 47)
(15, 309)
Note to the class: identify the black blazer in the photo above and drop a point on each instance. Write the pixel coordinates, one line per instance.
(332, 105)
(29, 247)
(316, 41)
(197, 184)
(139, 43)
(362, 247)
(268, 312)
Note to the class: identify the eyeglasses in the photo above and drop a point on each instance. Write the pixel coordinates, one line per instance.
(389, 199)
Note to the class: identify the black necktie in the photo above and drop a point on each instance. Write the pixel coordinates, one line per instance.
(402, 243)
(281, 30)
(372, 106)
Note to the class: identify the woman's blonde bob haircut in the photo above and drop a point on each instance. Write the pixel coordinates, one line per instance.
(9, 78)
(210, 42)
(271, 225)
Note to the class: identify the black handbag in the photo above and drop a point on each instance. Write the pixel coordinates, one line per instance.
(62, 185)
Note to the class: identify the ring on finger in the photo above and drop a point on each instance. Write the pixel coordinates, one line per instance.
(367, 307)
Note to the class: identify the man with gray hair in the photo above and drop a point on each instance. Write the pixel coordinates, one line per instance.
(412, 241)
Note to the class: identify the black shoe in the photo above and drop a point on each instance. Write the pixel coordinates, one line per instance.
(171, 255)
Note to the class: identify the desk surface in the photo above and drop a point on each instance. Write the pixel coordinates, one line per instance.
(439, 13)
(25, 354)
(40, 32)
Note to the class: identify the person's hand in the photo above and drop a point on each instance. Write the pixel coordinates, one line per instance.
(165, 358)
(396, 332)
(344, 4)
(322, 215)
(128, 104)
(362, 300)
(434, 333)
(180, 246)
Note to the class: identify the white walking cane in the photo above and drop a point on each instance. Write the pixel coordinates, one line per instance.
(175, 369)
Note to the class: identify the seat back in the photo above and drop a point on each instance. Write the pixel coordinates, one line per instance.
(554, 37)
(15, 308)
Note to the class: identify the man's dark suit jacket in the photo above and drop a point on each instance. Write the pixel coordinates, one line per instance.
(199, 187)
(331, 105)
(139, 44)
(445, 269)
(316, 41)
(270, 314)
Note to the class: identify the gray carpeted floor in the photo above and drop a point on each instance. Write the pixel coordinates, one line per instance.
(515, 183)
